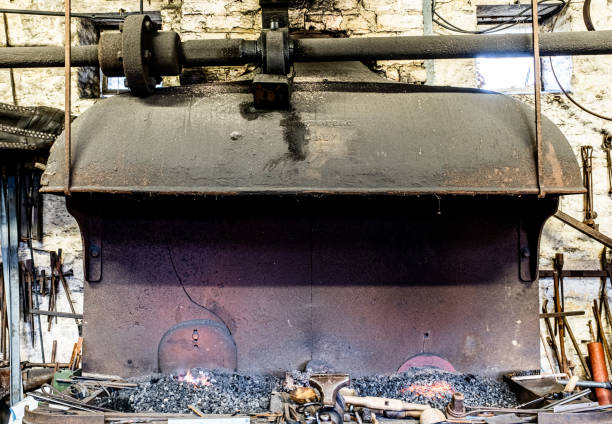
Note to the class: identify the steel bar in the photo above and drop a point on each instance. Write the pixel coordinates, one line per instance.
(36, 305)
(450, 46)
(9, 241)
(551, 336)
(54, 351)
(602, 333)
(67, 42)
(11, 74)
(559, 326)
(55, 13)
(47, 57)
(56, 314)
(58, 267)
(561, 314)
(63, 402)
(567, 399)
(607, 148)
(582, 359)
(575, 273)
(583, 228)
(3, 317)
(537, 87)
(239, 52)
(589, 384)
(586, 152)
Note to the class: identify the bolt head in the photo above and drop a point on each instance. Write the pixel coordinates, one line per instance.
(94, 251)
(147, 54)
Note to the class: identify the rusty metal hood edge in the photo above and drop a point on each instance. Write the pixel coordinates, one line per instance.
(398, 141)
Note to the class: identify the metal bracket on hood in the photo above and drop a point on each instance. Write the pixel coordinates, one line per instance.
(92, 247)
(526, 254)
(530, 228)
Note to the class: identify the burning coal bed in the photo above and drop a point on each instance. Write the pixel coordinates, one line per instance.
(221, 392)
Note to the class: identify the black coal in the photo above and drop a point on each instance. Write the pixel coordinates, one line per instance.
(222, 392)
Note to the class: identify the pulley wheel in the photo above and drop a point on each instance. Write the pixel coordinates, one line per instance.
(198, 343)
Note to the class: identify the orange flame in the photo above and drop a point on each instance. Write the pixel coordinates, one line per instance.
(439, 389)
(199, 381)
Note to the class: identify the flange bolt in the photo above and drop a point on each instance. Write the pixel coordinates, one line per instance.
(456, 407)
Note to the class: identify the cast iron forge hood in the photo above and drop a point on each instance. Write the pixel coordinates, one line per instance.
(347, 132)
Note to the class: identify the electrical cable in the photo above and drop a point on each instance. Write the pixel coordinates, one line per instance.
(496, 28)
(180, 280)
(586, 15)
(569, 97)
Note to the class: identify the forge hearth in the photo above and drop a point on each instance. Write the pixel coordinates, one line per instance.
(371, 223)
(227, 392)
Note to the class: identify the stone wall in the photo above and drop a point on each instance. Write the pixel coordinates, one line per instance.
(354, 18)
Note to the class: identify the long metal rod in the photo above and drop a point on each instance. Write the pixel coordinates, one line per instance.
(450, 46)
(47, 57)
(561, 314)
(11, 73)
(537, 87)
(583, 362)
(239, 52)
(9, 241)
(56, 314)
(584, 229)
(67, 70)
(46, 13)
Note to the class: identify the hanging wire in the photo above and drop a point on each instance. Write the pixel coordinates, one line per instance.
(191, 299)
(496, 28)
(563, 90)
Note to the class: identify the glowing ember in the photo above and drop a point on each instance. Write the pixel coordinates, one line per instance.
(199, 381)
(439, 389)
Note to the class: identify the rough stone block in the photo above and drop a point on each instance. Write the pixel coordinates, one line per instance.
(398, 22)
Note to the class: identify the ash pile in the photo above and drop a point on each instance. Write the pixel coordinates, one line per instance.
(222, 392)
(211, 391)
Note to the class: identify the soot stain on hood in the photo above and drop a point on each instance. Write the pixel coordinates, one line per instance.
(295, 135)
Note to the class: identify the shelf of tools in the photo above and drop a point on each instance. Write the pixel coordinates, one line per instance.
(26, 134)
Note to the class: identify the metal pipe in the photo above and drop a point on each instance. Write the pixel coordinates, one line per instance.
(218, 52)
(589, 384)
(47, 57)
(600, 373)
(240, 52)
(450, 46)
